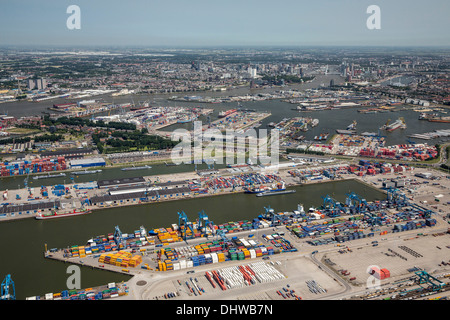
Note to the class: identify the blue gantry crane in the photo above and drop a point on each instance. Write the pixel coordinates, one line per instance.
(225, 241)
(273, 216)
(204, 222)
(396, 198)
(184, 221)
(118, 238)
(359, 205)
(356, 202)
(331, 206)
(8, 290)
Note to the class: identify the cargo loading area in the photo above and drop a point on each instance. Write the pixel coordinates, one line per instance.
(320, 253)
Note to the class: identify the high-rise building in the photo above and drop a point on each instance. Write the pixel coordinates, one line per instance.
(39, 84)
(252, 72)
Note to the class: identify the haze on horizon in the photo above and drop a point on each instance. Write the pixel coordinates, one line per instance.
(225, 23)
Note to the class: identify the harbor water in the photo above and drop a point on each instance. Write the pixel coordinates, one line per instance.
(24, 240)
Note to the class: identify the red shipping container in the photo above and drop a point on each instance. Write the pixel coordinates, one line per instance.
(386, 273)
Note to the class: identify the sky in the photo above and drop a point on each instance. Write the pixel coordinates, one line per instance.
(225, 23)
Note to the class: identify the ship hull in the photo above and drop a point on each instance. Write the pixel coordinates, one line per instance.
(263, 191)
(62, 215)
(439, 120)
(274, 193)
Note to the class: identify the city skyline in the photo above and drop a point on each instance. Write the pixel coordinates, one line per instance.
(204, 24)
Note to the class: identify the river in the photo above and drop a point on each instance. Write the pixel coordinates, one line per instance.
(24, 240)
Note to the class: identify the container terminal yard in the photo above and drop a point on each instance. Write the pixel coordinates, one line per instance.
(401, 240)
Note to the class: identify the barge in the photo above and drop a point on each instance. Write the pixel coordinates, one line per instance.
(274, 193)
(60, 214)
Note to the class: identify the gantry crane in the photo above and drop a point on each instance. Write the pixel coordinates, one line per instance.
(118, 238)
(204, 222)
(8, 290)
(270, 214)
(225, 241)
(331, 206)
(361, 207)
(184, 221)
(425, 277)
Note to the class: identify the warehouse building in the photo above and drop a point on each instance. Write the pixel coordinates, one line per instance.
(87, 162)
(146, 187)
(137, 197)
(424, 175)
(29, 208)
(74, 153)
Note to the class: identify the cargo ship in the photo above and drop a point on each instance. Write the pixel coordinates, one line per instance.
(50, 176)
(439, 119)
(399, 123)
(323, 136)
(144, 106)
(85, 172)
(186, 120)
(277, 187)
(60, 214)
(351, 129)
(223, 114)
(136, 168)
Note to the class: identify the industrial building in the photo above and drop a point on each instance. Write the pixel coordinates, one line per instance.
(29, 208)
(68, 153)
(87, 162)
(125, 182)
(147, 187)
(136, 197)
(424, 175)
